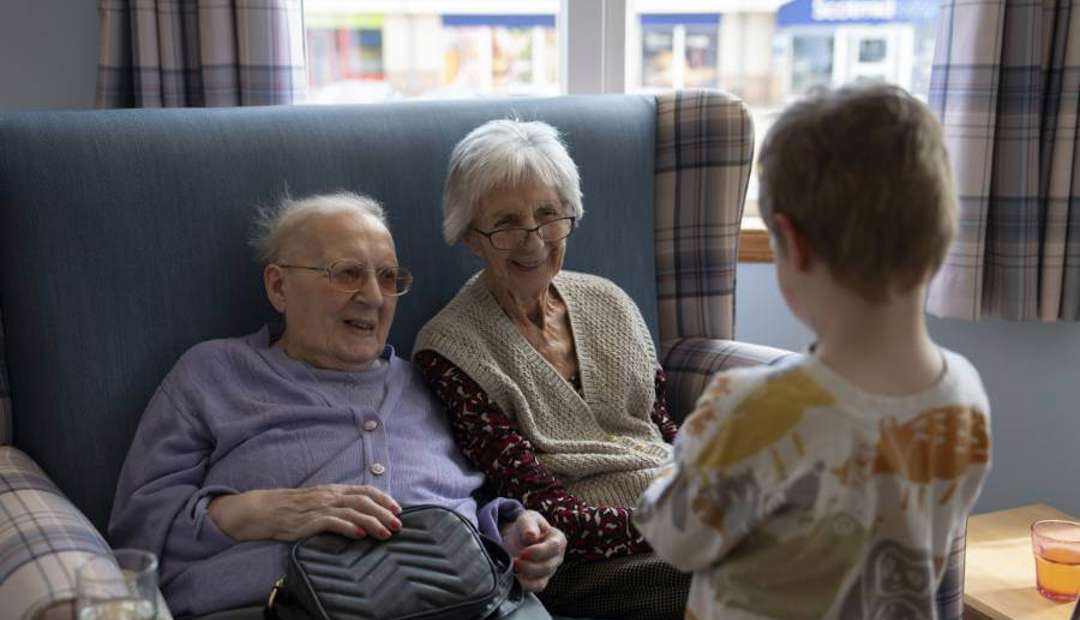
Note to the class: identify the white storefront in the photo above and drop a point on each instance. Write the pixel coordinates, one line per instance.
(834, 42)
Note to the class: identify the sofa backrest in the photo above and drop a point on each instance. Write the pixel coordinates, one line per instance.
(123, 240)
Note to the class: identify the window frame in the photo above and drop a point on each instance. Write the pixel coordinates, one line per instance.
(591, 64)
(754, 246)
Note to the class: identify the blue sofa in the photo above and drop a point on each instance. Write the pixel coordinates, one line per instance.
(123, 242)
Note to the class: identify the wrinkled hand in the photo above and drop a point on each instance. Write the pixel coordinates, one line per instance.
(290, 514)
(537, 549)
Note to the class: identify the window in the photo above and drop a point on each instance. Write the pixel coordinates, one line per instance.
(768, 52)
(500, 54)
(872, 50)
(678, 50)
(377, 50)
(811, 61)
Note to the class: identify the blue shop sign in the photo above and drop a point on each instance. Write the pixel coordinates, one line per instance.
(508, 21)
(836, 12)
(674, 19)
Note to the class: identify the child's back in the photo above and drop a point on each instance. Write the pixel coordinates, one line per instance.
(832, 484)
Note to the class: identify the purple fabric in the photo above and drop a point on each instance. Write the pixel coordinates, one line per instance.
(238, 414)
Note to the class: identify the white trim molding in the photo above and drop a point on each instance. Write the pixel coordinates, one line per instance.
(592, 38)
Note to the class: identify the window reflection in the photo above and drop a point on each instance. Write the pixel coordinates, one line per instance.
(678, 50)
(361, 50)
(770, 52)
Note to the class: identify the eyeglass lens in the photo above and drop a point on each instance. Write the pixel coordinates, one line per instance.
(349, 276)
(511, 238)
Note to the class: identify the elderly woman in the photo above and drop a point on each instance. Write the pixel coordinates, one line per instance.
(550, 376)
(252, 442)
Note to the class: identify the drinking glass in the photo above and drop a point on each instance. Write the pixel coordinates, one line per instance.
(1057, 558)
(121, 587)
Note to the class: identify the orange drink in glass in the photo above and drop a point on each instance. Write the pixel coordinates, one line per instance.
(1057, 558)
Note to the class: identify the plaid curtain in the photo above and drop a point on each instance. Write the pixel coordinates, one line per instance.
(1005, 84)
(194, 53)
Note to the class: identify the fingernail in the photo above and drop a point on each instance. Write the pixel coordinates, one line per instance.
(384, 533)
(360, 532)
(395, 525)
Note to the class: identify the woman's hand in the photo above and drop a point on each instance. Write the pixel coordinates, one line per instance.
(537, 548)
(290, 514)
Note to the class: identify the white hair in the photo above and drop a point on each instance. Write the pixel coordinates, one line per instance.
(275, 226)
(505, 153)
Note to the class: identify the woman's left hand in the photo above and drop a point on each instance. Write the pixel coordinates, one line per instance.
(537, 548)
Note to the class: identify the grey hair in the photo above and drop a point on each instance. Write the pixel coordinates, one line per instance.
(505, 153)
(274, 226)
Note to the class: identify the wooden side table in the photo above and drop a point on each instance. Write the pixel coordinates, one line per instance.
(999, 573)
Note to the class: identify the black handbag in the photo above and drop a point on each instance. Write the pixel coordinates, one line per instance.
(436, 566)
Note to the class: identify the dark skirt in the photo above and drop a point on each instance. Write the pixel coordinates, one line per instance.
(636, 587)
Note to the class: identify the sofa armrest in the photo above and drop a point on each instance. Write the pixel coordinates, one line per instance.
(45, 538)
(690, 362)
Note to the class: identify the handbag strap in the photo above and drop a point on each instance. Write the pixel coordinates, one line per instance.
(281, 606)
(510, 590)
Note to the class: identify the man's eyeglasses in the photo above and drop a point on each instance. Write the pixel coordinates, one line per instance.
(514, 238)
(349, 276)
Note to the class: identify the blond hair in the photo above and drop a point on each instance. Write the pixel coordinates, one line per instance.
(862, 172)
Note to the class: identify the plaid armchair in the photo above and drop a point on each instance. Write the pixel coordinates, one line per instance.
(121, 245)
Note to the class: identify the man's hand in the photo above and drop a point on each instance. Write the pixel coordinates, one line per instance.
(537, 549)
(290, 514)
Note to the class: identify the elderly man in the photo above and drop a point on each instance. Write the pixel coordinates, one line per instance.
(252, 442)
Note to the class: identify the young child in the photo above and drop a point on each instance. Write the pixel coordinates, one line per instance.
(831, 485)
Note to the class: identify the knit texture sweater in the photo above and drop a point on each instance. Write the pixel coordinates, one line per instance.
(601, 442)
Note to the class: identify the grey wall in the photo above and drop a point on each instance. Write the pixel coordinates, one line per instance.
(48, 54)
(1031, 372)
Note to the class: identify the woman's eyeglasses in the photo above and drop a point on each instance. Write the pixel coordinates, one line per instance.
(513, 238)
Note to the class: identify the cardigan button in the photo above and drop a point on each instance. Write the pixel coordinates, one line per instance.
(378, 469)
(370, 425)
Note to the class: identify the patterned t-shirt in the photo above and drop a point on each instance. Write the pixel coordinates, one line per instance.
(794, 494)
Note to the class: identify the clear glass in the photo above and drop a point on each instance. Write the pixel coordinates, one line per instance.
(373, 50)
(122, 587)
(1056, 545)
(512, 238)
(771, 52)
(349, 276)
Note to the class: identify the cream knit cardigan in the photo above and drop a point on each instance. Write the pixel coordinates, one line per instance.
(604, 447)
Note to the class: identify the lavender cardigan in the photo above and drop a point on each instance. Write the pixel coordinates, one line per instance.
(237, 414)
